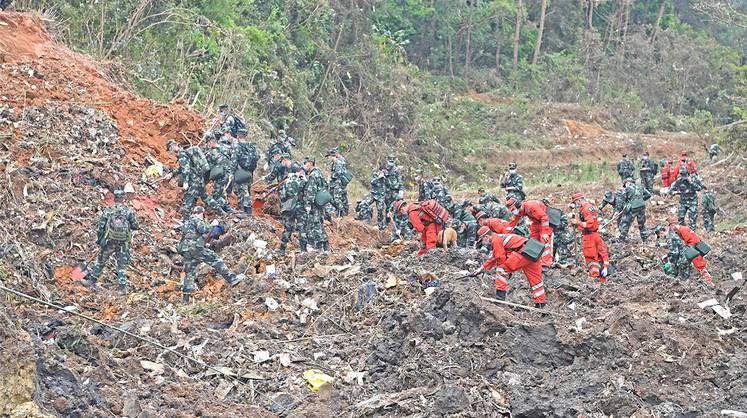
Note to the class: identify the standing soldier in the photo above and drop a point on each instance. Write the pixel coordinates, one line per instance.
(402, 226)
(507, 257)
(378, 195)
(195, 235)
(292, 207)
(425, 187)
(562, 237)
(614, 199)
(709, 209)
(114, 237)
(220, 158)
(393, 185)
(192, 170)
(687, 186)
(647, 170)
(633, 205)
(338, 181)
(494, 210)
(714, 150)
(691, 240)
(280, 146)
(230, 122)
(595, 252)
(245, 163)
(625, 168)
(513, 184)
(486, 197)
(315, 196)
(439, 191)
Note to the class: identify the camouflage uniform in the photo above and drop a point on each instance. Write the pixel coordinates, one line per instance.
(439, 192)
(364, 209)
(221, 157)
(714, 150)
(494, 210)
(647, 170)
(279, 147)
(314, 224)
(109, 246)
(687, 186)
(402, 224)
(488, 197)
(678, 264)
(337, 186)
(614, 199)
(633, 192)
(513, 184)
(294, 217)
(393, 186)
(246, 158)
(194, 252)
(278, 173)
(562, 240)
(466, 226)
(709, 210)
(231, 123)
(425, 188)
(194, 178)
(378, 194)
(625, 169)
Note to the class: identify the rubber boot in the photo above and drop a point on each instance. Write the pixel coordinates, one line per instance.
(89, 283)
(500, 294)
(707, 276)
(185, 297)
(122, 289)
(539, 305)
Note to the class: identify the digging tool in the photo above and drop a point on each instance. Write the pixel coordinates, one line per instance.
(259, 202)
(516, 305)
(732, 292)
(603, 227)
(81, 271)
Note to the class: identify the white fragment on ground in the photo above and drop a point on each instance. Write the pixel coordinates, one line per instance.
(261, 356)
(580, 324)
(154, 368)
(723, 332)
(707, 303)
(737, 275)
(310, 304)
(271, 304)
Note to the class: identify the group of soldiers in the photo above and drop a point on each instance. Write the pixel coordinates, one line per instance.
(227, 163)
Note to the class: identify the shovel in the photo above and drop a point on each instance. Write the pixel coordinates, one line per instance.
(734, 291)
(81, 271)
(259, 202)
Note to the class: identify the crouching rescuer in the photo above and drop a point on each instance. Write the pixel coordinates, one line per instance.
(428, 218)
(510, 253)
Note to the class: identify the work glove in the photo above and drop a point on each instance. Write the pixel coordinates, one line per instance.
(604, 272)
(478, 271)
(308, 209)
(265, 168)
(185, 186)
(168, 176)
(545, 238)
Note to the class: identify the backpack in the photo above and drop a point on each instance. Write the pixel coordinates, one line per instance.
(118, 227)
(433, 209)
(199, 161)
(238, 124)
(248, 156)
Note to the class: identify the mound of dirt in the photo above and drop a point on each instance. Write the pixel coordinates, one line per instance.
(37, 71)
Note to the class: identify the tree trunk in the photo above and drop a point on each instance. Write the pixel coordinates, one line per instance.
(498, 45)
(517, 35)
(538, 44)
(591, 14)
(468, 52)
(662, 6)
(626, 5)
(451, 62)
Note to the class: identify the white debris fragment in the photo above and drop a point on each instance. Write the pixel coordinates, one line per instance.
(723, 332)
(572, 306)
(272, 304)
(310, 303)
(271, 270)
(580, 324)
(723, 312)
(261, 356)
(737, 275)
(707, 303)
(285, 359)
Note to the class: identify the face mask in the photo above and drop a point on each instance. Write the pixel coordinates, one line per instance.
(577, 205)
(512, 171)
(645, 158)
(223, 113)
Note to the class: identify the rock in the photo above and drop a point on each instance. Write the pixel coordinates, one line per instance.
(451, 399)
(131, 407)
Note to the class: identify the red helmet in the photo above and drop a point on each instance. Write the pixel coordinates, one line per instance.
(398, 205)
(482, 232)
(683, 153)
(481, 214)
(577, 196)
(672, 220)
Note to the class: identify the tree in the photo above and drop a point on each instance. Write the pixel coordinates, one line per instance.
(662, 6)
(538, 44)
(517, 35)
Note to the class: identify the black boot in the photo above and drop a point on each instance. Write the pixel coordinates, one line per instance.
(122, 289)
(234, 279)
(500, 294)
(539, 305)
(325, 246)
(185, 297)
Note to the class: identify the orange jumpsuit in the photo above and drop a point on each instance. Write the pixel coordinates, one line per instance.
(691, 240)
(595, 252)
(498, 226)
(426, 226)
(536, 211)
(665, 175)
(507, 259)
(675, 172)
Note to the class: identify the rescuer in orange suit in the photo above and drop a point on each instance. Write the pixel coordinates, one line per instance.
(540, 229)
(496, 225)
(595, 252)
(687, 162)
(691, 240)
(507, 258)
(428, 218)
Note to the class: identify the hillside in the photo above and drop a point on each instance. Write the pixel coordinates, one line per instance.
(423, 343)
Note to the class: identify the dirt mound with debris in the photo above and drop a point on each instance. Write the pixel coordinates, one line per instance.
(37, 71)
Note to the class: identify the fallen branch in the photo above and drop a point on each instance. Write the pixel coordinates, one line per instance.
(516, 305)
(384, 400)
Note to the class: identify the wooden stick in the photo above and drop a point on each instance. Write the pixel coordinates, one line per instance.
(516, 305)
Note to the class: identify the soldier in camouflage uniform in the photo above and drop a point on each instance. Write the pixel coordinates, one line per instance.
(401, 219)
(709, 209)
(338, 182)
(647, 169)
(314, 225)
(425, 187)
(364, 209)
(439, 191)
(246, 158)
(562, 238)
(486, 197)
(279, 147)
(292, 208)
(192, 178)
(114, 236)
(714, 150)
(230, 122)
(378, 194)
(615, 200)
(465, 224)
(279, 170)
(677, 265)
(513, 184)
(220, 157)
(625, 168)
(192, 247)
(394, 184)
(687, 185)
(494, 210)
(633, 195)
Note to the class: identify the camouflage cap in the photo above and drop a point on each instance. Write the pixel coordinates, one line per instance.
(170, 143)
(242, 132)
(481, 190)
(198, 209)
(466, 202)
(332, 152)
(223, 106)
(118, 194)
(309, 159)
(511, 165)
(296, 167)
(285, 156)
